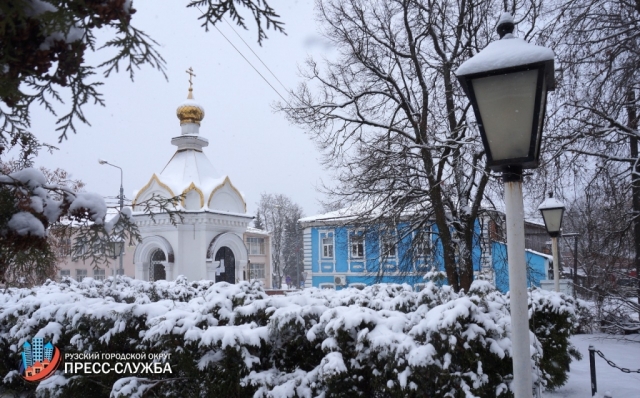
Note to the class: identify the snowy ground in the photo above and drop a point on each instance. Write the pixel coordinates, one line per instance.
(623, 351)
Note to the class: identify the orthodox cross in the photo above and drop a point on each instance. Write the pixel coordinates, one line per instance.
(191, 75)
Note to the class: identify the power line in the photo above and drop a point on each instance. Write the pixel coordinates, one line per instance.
(250, 64)
(250, 49)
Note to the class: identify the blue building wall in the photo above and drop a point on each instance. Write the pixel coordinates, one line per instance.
(372, 267)
(536, 264)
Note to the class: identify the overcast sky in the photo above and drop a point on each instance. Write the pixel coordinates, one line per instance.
(257, 148)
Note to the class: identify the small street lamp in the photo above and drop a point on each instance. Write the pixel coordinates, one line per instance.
(552, 211)
(507, 84)
(115, 248)
(102, 161)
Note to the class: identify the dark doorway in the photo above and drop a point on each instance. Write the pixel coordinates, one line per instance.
(156, 268)
(229, 274)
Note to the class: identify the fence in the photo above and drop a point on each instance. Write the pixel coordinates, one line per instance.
(592, 364)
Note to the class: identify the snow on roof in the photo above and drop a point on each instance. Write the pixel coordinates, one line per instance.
(257, 231)
(547, 256)
(190, 166)
(342, 214)
(550, 203)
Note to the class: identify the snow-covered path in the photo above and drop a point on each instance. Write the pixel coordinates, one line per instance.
(625, 354)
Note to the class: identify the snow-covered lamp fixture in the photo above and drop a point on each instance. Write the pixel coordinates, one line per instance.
(115, 248)
(507, 84)
(552, 211)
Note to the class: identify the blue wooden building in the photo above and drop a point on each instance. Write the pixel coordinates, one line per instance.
(338, 254)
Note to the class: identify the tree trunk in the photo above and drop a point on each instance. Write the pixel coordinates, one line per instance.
(632, 122)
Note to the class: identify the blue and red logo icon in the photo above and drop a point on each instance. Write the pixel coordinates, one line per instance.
(39, 360)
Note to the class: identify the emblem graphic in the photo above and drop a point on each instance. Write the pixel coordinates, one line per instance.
(39, 360)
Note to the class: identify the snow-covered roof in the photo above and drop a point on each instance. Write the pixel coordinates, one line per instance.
(190, 166)
(341, 215)
(257, 231)
(190, 172)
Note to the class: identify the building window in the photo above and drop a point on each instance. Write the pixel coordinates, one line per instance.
(81, 274)
(423, 245)
(327, 247)
(419, 286)
(358, 286)
(388, 246)
(327, 286)
(98, 274)
(256, 246)
(65, 273)
(64, 248)
(357, 246)
(257, 271)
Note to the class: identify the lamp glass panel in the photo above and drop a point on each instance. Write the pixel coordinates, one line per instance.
(543, 103)
(117, 248)
(506, 104)
(552, 219)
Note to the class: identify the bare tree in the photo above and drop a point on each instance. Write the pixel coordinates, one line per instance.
(277, 211)
(392, 122)
(598, 48)
(293, 246)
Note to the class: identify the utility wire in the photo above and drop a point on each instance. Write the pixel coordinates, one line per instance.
(254, 68)
(259, 59)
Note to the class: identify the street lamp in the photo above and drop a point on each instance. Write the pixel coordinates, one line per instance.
(102, 161)
(507, 84)
(552, 211)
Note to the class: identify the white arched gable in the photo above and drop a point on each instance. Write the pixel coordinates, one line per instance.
(225, 197)
(153, 187)
(193, 198)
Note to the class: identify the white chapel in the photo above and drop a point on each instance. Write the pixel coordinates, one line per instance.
(208, 242)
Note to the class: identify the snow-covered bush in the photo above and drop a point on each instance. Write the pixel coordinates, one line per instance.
(235, 341)
(554, 319)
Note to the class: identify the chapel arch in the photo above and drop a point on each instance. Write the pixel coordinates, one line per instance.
(230, 248)
(153, 248)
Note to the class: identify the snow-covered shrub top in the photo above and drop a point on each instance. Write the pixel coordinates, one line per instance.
(308, 343)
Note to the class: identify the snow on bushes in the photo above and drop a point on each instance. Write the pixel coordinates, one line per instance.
(235, 341)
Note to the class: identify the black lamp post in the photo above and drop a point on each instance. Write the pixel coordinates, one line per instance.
(552, 211)
(507, 85)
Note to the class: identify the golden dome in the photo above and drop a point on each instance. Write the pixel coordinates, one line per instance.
(190, 111)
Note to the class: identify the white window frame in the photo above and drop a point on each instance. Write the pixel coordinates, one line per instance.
(388, 240)
(99, 274)
(65, 273)
(357, 246)
(423, 251)
(327, 286)
(256, 246)
(358, 285)
(260, 267)
(327, 244)
(81, 274)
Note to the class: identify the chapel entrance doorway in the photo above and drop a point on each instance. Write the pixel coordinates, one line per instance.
(229, 274)
(157, 271)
